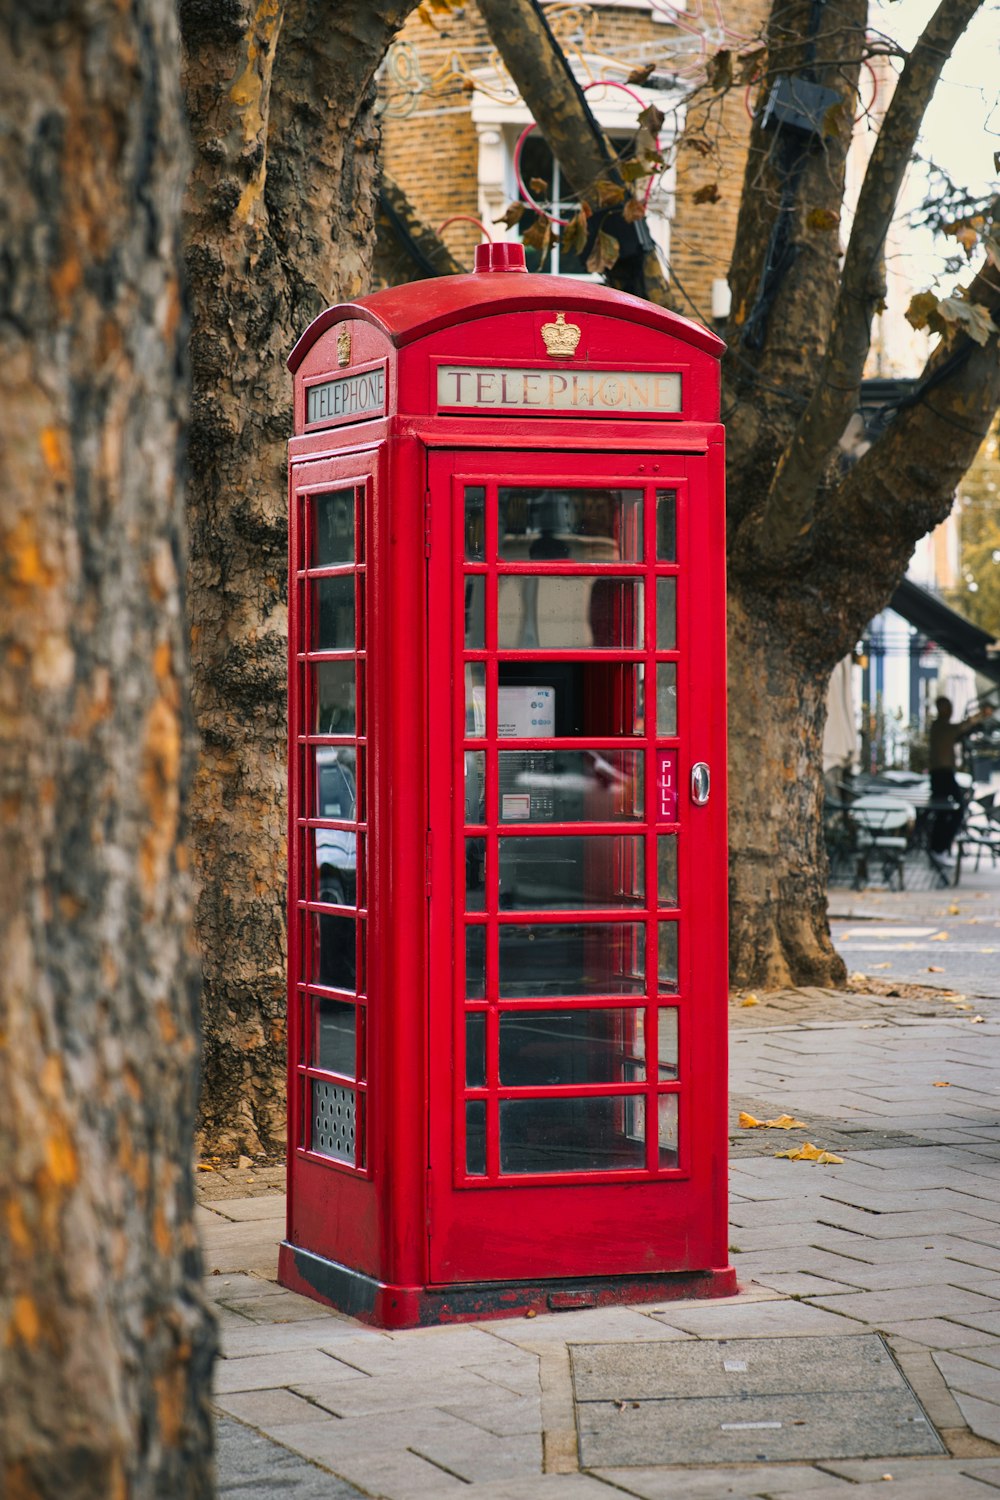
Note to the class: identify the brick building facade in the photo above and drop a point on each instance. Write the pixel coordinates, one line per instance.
(452, 120)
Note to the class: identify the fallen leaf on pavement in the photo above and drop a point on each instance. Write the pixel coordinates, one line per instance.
(934, 969)
(976, 1020)
(204, 1166)
(749, 1000)
(953, 911)
(942, 1085)
(939, 937)
(881, 966)
(809, 1152)
(783, 1122)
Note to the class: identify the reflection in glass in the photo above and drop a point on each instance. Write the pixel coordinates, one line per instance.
(567, 613)
(475, 611)
(569, 786)
(475, 874)
(333, 529)
(545, 1048)
(334, 697)
(567, 874)
(667, 1054)
(475, 1137)
(475, 962)
(475, 786)
(667, 956)
(334, 951)
(334, 853)
(336, 1027)
(666, 869)
(666, 614)
(666, 697)
(569, 699)
(475, 1049)
(475, 699)
(569, 1135)
(336, 781)
(333, 613)
(666, 525)
(667, 1130)
(475, 523)
(597, 958)
(549, 524)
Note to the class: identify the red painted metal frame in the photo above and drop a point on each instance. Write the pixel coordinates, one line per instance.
(389, 1240)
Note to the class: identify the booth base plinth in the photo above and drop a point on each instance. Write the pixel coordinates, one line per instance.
(388, 1306)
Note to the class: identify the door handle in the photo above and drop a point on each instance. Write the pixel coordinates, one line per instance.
(701, 783)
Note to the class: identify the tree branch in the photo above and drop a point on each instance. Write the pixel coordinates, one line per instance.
(788, 511)
(538, 66)
(406, 247)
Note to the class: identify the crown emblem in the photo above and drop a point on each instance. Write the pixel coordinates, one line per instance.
(561, 338)
(344, 346)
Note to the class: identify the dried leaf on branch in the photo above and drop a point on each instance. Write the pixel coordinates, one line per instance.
(708, 193)
(641, 75)
(720, 69)
(634, 209)
(609, 194)
(512, 214)
(604, 253)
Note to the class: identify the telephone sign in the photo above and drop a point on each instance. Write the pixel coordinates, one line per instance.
(507, 915)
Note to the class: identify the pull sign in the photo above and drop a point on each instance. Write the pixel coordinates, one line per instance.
(666, 786)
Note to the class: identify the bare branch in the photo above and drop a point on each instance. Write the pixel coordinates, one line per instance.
(406, 244)
(546, 83)
(788, 512)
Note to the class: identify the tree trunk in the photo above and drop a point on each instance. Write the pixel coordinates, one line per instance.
(105, 1344)
(777, 884)
(280, 224)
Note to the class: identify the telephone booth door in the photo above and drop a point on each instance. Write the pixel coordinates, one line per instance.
(577, 886)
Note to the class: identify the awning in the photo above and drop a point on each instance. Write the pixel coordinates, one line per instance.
(946, 628)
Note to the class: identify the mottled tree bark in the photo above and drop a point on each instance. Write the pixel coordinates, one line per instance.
(279, 225)
(105, 1344)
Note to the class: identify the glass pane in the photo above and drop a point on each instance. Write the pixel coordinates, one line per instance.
(475, 962)
(336, 782)
(475, 786)
(667, 1057)
(570, 1135)
(542, 1048)
(475, 699)
(569, 699)
(666, 869)
(666, 525)
(597, 958)
(475, 523)
(333, 529)
(475, 1049)
(566, 614)
(666, 614)
(475, 874)
(570, 786)
(666, 1134)
(334, 852)
(336, 1027)
(333, 613)
(334, 697)
(475, 611)
(475, 1137)
(549, 524)
(332, 1122)
(560, 874)
(666, 698)
(667, 961)
(334, 951)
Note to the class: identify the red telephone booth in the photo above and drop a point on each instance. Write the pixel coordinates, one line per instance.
(507, 855)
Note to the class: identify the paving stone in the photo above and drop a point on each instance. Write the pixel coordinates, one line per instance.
(986, 1322)
(503, 1417)
(275, 1338)
(545, 1487)
(270, 1409)
(250, 1466)
(982, 1416)
(954, 1485)
(938, 1333)
(222, 1288)
(912, 1301)
(799, 1283)
(266, 1371)
(353, 1398)
(611, 1323)
(247, 1210)
(969, 1376)
(733, 1368)
(770, 1428)
(401, 1476)
(760, 1320)
(725, 1484)
(286, 1307)
(479, 1456)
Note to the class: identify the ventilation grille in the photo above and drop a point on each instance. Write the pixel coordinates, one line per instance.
(333, 1119)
